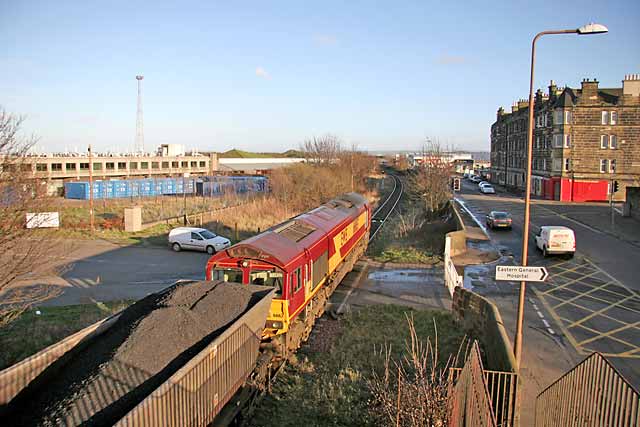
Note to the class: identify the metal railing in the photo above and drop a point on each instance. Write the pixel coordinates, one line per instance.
(593, 393)
(502, 387)
(469, 399)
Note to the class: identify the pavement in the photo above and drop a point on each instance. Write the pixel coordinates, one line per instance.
(97, 270)
(588, 303)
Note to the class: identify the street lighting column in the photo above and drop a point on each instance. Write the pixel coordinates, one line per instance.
(586, 29)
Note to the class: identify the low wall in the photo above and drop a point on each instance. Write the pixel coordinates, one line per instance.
(481, 317)
(459, 237)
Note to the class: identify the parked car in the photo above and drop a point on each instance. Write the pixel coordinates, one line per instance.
(487, 189)
(483, 183)
(556, 239)
(199, 239)
(497, 219)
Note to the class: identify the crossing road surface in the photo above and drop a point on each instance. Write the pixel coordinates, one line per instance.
(592, 300)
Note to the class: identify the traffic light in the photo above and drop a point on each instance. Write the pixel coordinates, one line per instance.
(456, 184)
(616, 186)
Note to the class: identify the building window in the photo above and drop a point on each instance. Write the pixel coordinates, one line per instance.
(604, 141)
(568, 117)
(557, 141)
(613, 142)
(194, 164)
(70, 166)
(144, 165)
(110, 166)
(84, 166)
(567, 164)
(613, 118)
(556, 165)
(155, 165)
(557, 117)
(203, 164)
(174, 164)
(133, 165)
(165, 165)
(604, 165)
(605, 117)
(122, 165)
(185, 164)
(97, 166)
(544, 164)
(56, 167)
(41, 167)
(612, 165)
(567, 141)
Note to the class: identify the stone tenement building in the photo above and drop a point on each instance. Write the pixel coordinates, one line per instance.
(584, 140)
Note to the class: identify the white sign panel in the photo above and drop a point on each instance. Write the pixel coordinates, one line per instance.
(517, 273)
(43, 220)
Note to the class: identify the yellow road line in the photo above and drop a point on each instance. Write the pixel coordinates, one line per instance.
(598, 312)
(613, 331)
(601, 335)
(569, 283)
(589, 310)
(584, 294)
(595, 298)
(559, 322)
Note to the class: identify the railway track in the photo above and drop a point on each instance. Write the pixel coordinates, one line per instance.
(385, 210)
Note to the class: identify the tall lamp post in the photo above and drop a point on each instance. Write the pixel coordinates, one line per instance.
(584, 30)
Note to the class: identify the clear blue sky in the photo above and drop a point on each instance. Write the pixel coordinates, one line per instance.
(266, 75)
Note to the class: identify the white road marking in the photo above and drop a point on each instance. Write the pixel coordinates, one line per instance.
(463, 204)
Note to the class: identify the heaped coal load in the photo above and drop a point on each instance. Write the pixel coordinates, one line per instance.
(113, 372)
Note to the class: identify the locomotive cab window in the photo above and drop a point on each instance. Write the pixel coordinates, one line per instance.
(227, 275)
(297, 277)
(267, 278)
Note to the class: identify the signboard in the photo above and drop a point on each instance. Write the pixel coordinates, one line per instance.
(43, 220)
(516, 273)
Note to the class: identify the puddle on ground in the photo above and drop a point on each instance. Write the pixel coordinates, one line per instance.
(413, 281)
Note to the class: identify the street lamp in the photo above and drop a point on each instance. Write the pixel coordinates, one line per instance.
(584, 30)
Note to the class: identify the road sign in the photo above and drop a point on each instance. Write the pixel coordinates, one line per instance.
(514, 273)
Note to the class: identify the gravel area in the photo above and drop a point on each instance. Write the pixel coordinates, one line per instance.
(150, 341)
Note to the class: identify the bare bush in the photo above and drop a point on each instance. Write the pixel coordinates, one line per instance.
(413, 390)
(410, 222)
(430, 182)
(22, 250)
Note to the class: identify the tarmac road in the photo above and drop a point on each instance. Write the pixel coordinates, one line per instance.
(97, 270)
(591, 302)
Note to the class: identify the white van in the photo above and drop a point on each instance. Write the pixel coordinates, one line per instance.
(556, 239)
(199, 239)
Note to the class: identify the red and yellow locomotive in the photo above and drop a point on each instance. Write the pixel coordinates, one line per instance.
(304, 258)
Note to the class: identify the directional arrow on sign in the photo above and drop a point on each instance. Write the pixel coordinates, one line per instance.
(514, 273)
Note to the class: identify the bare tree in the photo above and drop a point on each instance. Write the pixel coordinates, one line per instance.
(22, 249)
(322, 150)
(430, 181)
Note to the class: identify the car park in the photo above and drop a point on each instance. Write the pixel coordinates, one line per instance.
(198, 239)
(556, 239)
(487, 189)
(499, 219)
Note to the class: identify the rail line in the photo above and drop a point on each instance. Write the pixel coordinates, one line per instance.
(385, 210)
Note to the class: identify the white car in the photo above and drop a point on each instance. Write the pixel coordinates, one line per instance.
(199, 239)
(556, 239)
(487, 189)
(482, 184)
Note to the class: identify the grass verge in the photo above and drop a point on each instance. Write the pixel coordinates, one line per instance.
(326, 384)
(31, 332)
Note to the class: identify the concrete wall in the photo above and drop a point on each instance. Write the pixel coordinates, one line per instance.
(459, 237)
(481, 317)
(633, 201)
